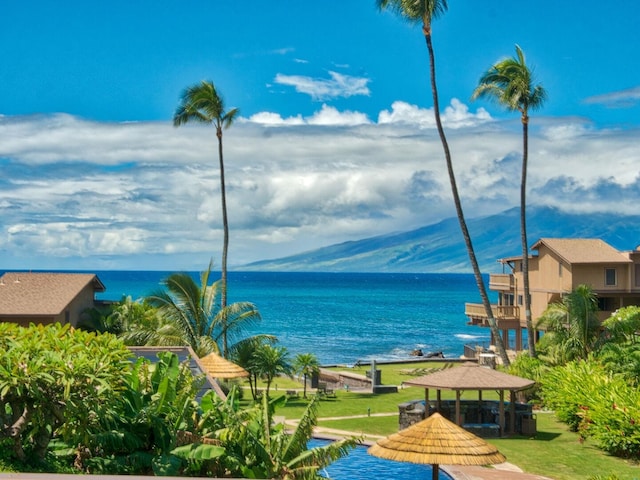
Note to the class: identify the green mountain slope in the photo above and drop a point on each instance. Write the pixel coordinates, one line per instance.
(440, 247)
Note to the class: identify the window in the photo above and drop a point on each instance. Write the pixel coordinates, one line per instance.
(520, 299)
(610, 278)
(507, 299)
(637, 274)
(560, 269)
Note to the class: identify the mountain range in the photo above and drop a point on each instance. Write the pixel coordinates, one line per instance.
(440, 247)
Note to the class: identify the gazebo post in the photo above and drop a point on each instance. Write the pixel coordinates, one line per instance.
(479, 419)
(501, 413)
(434, 469)
(458, 419)
(426, 403)
(512, 413)
(439, 404)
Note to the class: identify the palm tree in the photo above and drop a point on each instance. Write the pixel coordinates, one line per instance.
(271, 361)
(202, 103)
(571, 327)
(258, 447)
(306, 364)
(425, 11)
(243, 354)
(510, 83)
(189, 314)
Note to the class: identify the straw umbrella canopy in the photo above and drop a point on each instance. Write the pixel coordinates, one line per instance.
(436, 441)
(219, 367)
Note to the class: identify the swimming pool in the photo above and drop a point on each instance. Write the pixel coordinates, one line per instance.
(359, 465)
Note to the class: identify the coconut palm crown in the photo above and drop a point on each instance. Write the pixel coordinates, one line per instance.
(510, 82)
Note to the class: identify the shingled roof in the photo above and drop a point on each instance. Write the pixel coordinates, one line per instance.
(582, 250)
(46, 294)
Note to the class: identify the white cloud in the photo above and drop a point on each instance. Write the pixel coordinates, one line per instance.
(75, 189)
(270, 118)
(321, 89)
(456, 115)
(331, 116)
(620, 99)
(326, 116)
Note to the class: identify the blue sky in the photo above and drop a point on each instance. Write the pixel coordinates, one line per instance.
(336, 140)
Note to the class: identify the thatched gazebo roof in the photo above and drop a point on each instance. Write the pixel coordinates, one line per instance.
(219, 367)
(437, 441)
(471, 376)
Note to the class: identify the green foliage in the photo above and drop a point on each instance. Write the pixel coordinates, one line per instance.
(269, 361)
(621, 359)
(258, 448)
(597, 405)
(307, 365)
(56, 380)
(534, 369)
(571, 327)
(190, 314)
(624, 325)
(157, 403)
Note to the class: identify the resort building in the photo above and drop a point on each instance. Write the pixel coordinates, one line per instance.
(556, 268)
(44, 298)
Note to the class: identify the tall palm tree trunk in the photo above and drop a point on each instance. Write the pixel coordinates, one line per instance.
(225, 247)
(456, 199)
(531, 341)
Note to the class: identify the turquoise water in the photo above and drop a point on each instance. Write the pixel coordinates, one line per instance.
(359, 465)
(344, 317)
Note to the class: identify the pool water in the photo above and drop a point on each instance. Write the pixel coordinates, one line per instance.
(359, 465)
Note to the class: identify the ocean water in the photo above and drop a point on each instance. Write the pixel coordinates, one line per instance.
(343, 317)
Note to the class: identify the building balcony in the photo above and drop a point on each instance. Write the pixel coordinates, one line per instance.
(501, 282)
(507, 316)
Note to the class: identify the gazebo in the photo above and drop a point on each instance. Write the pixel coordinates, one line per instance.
(471, 376)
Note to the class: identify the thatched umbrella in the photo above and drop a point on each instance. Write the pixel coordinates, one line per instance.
(436, 441)
(219, 367)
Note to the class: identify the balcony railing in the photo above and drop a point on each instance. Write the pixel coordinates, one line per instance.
(501, 281)
(506, 312)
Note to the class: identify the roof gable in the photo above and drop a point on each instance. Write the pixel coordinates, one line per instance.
(582, 250)
(28, 293)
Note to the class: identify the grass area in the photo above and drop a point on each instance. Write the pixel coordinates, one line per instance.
(396, 373)
(557, 453)
(554, 452)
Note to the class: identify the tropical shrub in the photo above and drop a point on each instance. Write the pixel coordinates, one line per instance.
(158, 402)
(624, 325)
(596, 404)
(526, 366)
(251, 445)
(55, 380)
(621, 360)
(572, 329)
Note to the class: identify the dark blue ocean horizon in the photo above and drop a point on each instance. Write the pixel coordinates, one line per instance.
(341, 317)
